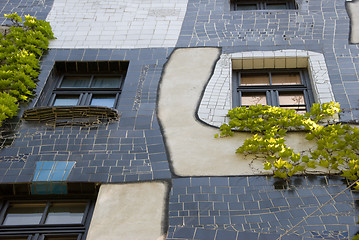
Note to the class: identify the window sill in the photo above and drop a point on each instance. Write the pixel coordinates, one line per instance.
(71, 115)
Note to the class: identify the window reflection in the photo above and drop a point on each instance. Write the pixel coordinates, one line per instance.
(61, 237)
(250, 79)
(291, 98)
(285, 78)
(66, 100)
(253, 98)
(106, 82)
(75, 82)
(272, 6)
(103, 100)
(24, 214)
(66, 213)
(246, 7)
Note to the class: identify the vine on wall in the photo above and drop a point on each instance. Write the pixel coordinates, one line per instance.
(336, 144)
(20, 51)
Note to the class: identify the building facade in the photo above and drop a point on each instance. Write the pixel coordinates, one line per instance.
(118, 141)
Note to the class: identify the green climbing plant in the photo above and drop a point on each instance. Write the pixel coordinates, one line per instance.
(336, 144)
(20, 51)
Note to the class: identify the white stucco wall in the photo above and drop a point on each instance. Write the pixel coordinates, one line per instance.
(353, 11)
(129, 211)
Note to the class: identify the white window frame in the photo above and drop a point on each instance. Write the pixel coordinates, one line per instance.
(217, 97)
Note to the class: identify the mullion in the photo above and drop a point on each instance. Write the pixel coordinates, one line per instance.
(3, 212)
(87, 209)
(91, 81)
(274, 97)
(44, 214)
(307, 100)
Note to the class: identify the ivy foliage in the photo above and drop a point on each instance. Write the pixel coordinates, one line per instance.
(20, 50)
(336, 144)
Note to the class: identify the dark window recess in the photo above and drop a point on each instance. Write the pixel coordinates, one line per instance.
(281, 88)
(240, 5)
(45, 219)
(85, 84)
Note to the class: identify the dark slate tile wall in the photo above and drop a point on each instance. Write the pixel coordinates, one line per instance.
(128, 150)
(36, 8)
(132, 148)
(261, 208)
(318, 25)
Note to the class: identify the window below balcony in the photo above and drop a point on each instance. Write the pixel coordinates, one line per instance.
(242, 5)
(47, 219)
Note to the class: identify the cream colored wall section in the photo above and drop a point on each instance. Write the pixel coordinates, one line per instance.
(353, 11)
(193, 150)
(217, 98)
(129, 211)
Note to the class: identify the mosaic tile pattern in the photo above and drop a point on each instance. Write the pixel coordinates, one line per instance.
(36, 8)
(116, 24)
(128, 150)
(318, 25)
(260, 208)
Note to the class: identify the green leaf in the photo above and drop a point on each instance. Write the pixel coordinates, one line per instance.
(267, 166)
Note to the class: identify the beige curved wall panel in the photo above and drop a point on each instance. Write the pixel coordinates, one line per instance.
(192, 147)
(129, 211)
(353, 11)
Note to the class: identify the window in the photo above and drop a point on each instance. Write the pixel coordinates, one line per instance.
(45, 219)
(84, 84)
(93, 90)
(281, 88)
(239, 5)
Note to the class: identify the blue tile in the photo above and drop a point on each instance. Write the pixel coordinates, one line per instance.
(226, 235)
(204, 234)
(184, 232)
(66, 175)
(47, 165)
(39, 164)
(61, 165)
(44, 175)
(57, 176)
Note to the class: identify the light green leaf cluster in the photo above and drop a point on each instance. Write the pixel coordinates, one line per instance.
(337, 144)
(20, 50)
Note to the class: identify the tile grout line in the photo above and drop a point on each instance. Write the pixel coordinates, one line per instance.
(305, 218)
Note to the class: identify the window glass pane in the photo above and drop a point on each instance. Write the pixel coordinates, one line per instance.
(103, 100)
(66, 213)
(24, 214)
(291, 98)
(61, 237)
(14, 238)
(276, 6)
(106, 82)
(246, 6)
(66, 100)
(249, 79)
(285, 78)
(249, 98)
(75, 82)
